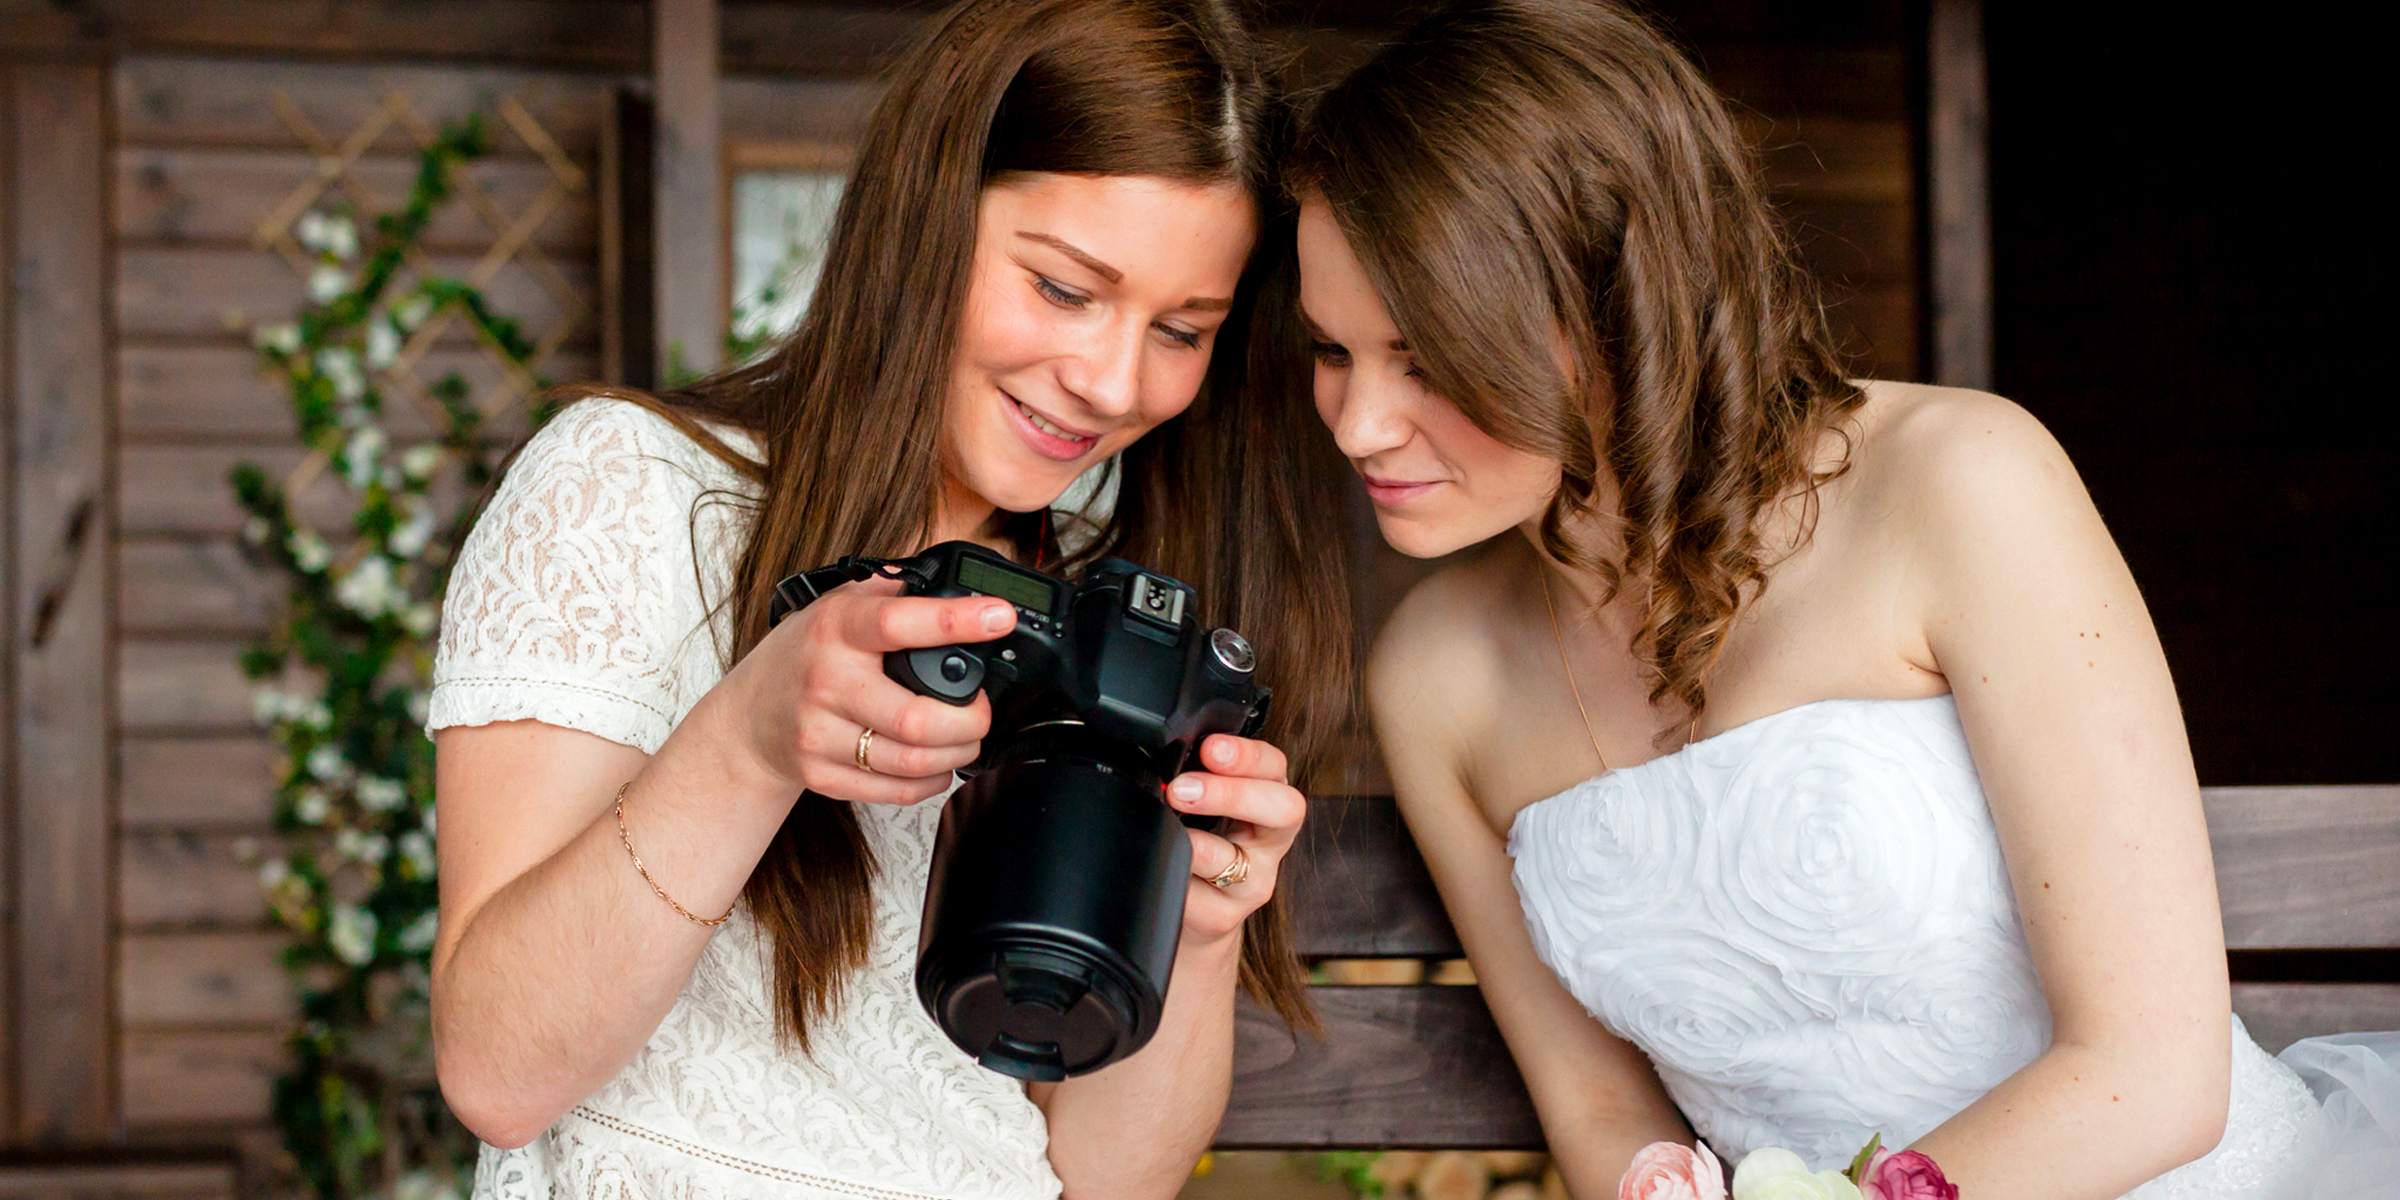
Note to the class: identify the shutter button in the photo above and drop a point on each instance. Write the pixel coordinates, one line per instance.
(954, 667)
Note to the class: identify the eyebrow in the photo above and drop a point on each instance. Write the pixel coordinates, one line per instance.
(1113, 275)
(1396, 345)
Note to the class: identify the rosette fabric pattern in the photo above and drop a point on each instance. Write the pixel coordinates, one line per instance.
(1806, 923)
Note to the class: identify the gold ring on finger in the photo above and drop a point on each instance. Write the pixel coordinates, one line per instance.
(866, 742)
(1235, 872)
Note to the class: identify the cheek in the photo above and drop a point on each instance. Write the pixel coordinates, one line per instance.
(1326, 388)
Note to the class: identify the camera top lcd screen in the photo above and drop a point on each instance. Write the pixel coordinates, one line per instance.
(1016, 587)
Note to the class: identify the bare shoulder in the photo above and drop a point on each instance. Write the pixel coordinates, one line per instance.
(1433, 671)
(1952, 453)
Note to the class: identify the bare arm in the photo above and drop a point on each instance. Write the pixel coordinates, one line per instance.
(555, 960)
(2028, 610)
(1135, 1128)
(1598, 1097)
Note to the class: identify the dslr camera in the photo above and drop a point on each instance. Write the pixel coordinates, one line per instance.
(1055, 899)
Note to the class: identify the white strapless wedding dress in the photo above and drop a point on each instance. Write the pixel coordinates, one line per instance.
(1806, 924)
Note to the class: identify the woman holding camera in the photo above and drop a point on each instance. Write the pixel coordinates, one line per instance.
(683, 852)
(1797, 759)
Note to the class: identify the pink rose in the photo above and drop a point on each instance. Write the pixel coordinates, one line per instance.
(1907, 1175)
(1668, 1171)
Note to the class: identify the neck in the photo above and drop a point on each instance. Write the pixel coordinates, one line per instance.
(962, 516)
(1597, 528)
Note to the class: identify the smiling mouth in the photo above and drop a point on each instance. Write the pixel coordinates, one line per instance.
(1049, 438)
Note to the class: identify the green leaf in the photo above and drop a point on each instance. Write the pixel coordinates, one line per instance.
(1866, 1154)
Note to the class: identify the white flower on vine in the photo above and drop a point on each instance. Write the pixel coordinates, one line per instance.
(411, 536)
(339, 366)
(282, 339)
(326, 763)
(351, 933)
(360, 454)
(309, 552)
(420, 707)
(416, 847)
(371, 589)
(420, 619)
(272, 873)
(267, 704)
(327, 234)
(257, 530)
(316, 716)
(379, 794)
(368, 848)
(412, 311)
(312, 806)
(421, 461)
(327, 283)
(383, 344)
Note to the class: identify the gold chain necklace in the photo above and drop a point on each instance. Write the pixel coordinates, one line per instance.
(1561, 638)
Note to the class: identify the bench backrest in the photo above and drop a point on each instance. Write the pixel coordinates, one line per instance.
(2309, 879)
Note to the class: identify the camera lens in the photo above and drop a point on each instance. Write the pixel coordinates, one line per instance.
(1053, 907)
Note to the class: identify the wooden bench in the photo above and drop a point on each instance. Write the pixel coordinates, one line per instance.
(2309, 878)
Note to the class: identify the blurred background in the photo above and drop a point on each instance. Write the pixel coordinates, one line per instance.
(2158, 234)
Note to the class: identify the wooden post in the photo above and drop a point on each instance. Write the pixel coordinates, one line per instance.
(59, 590)
(628, 223)
(1958, 195)
(690, 244)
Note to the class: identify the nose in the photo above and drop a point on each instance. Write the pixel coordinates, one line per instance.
(1370, 415)
(1106, 373)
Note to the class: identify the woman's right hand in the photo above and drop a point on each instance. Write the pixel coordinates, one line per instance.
(803, 696)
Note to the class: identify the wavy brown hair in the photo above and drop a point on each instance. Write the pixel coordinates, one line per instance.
(1511, 172)
(848, 409)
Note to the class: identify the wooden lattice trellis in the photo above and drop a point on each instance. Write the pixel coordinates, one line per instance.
(513, 241)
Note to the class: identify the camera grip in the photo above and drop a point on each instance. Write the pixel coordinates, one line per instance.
(950, 674)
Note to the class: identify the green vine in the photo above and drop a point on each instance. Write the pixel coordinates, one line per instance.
(341, 681)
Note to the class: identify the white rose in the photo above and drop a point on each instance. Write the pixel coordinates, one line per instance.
(1773, 1173)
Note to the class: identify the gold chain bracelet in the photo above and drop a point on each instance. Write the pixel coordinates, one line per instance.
(627, 838)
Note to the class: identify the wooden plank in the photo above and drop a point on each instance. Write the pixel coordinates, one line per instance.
(59, 595)
(220, 102)
(1876, 328)
(2307, 866)
(220, 783)
(826, 40)
(1855, 243)
(2279, 1014)
(182, 879)
(690, 217)
(210, 196)
(203, 979)
(210, 293)
(190, 1076)
(628, 250)
(183, 686)
(602, 35)
(1958, 196)
(1833, 158)
(1397, 1067)
(184, 489)
(1357, 887)
(8, 603)
(795, 110)
(186, 586)
(1859, 81)
(122, 1181)
(180, 391)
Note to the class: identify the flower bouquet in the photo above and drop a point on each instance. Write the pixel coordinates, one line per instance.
(1671, 1171)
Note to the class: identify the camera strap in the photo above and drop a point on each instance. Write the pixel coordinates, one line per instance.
(797, 592)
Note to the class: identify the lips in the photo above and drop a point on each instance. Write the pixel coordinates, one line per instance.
(1048, 438)
(1391, 492)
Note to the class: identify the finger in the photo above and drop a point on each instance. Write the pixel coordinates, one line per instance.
(1213, 856)
(845, 782)
(891, 756)
(895, 712)
(1273, 811)
(910, 622)
(1249, 758)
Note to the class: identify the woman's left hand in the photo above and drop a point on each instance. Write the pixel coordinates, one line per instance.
(1244, 782)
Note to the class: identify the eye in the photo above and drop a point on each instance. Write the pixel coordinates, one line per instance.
(1331, 354)
(1186, 338)
(1058, 295)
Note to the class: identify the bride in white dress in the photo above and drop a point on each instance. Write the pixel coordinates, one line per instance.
(663, 970)
(1797, 759)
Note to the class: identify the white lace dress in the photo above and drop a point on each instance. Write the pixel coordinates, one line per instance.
(1806, 924)
(582, 600)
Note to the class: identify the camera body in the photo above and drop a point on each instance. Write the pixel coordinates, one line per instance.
(1054, 902)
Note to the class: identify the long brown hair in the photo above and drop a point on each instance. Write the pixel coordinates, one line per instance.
(1514, 171)
(849, 408)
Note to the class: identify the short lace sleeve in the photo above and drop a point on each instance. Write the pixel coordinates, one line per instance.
(582, 597)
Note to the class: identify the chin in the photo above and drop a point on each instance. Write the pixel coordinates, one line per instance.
(1422, 539)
